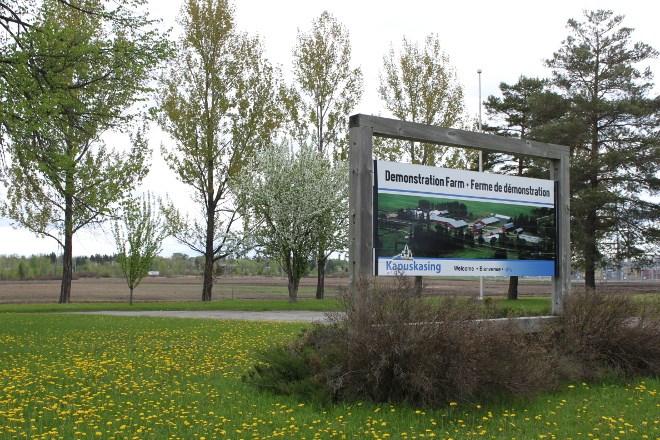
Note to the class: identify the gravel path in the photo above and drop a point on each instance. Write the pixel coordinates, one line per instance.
(272, 316)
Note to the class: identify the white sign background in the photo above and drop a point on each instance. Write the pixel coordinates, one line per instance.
(403, 178)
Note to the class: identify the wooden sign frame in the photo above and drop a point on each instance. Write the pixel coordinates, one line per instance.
(363, 128)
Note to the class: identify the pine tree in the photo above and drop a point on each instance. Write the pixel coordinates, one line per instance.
(612, 129)
(523, 112)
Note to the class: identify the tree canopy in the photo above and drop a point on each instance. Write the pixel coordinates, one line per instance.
(420, 85)
(139, 237)
(526, 110)
(219, 103)
(326, 88)
(284, 194)
(74, 76)
(611, 125)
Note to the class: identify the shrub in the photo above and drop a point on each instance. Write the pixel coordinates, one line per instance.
(398, 347)
(391, 345)
(292, 369)
(609, 335)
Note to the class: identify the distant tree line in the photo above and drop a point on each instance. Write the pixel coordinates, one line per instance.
(455, 209)
(49, 267)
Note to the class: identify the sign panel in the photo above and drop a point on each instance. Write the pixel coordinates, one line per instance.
(444, 222)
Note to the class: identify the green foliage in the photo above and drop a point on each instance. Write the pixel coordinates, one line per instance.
(21, 271)
(326, 88)
(74, 74)
(138, 237)
(598, 103)
(219, 103)
(524, 111)
(611, 125)
(420, 85)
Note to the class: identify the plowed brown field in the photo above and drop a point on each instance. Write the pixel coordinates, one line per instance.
(190, 288)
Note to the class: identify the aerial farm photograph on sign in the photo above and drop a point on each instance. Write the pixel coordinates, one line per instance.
(434, 221)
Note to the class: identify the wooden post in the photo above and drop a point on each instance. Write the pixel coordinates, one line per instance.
(561, 284)
(360, 229)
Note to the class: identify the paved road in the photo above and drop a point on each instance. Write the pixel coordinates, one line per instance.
(272, 316)
(529, 324)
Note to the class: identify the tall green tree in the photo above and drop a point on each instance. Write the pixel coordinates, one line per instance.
(74, 75)
(325, 91)
(420, 85)
(612, 129)
(284, 194)
(523, 111)
(326, 87)
(139, 237)
(219, 103)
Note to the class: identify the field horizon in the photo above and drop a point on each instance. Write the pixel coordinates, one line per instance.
(189, 288)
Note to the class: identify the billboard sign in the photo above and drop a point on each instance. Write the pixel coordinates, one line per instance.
(434, 221)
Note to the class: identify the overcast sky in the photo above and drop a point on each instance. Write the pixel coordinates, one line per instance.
(504, 39)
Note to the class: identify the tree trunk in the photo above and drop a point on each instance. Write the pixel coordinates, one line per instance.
(67, 271)
(130, 296)
(293, 289)
(209, 253)
(512, 293)
(591, 245)
(590, 251)
(513, 288)
(207, 284)
(590, 279)
(67, 257)
(320, 279)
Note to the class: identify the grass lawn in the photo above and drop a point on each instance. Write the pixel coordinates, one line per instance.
(255, 305)
(520, 307)
(72, 377)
